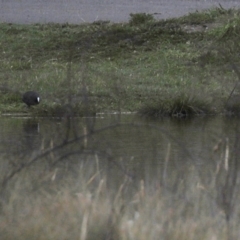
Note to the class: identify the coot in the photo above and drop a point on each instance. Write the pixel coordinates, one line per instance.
(31, 98)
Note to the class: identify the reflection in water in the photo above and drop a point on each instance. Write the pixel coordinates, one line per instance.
(150, 150)
(192, 165)
(145, 143)
(144, 149)
(31, 130)
(31, 127)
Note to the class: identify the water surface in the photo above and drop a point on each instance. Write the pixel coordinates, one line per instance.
(152, 150)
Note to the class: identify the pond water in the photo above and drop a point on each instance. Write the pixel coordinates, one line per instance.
(124, 146)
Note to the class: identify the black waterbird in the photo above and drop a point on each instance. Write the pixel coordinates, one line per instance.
(31, 98)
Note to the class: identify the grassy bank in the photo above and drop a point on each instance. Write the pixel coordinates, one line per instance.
(168, 67)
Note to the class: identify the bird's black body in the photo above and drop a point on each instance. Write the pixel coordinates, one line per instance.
(31, 98)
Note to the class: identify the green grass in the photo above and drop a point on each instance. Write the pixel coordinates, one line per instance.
(127, 66)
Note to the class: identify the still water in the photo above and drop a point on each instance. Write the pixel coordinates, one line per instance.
(122, 146)
(164, 174)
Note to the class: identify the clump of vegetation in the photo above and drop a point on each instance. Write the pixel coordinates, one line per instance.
(180, 106)
(140, 18)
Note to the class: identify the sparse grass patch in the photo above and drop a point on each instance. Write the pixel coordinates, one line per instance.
(224, 43)
(204, 17)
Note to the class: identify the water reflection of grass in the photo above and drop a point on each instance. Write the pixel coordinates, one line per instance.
(142, 65)
(93, 212)
(76, 199)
